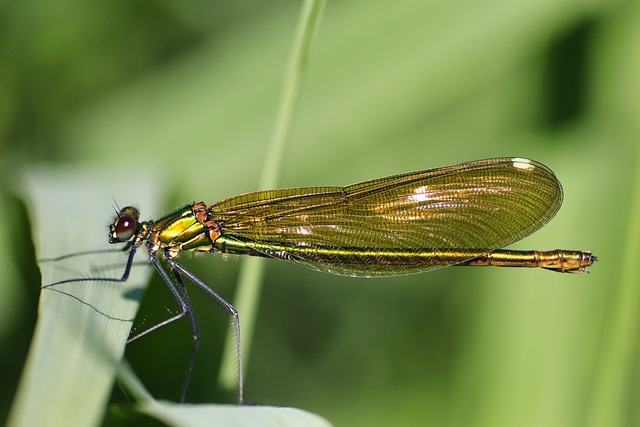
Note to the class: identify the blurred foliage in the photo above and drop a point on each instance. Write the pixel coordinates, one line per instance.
(189, 90)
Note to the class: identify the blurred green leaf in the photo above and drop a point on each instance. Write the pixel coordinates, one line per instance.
(82, 327)
(230, 415)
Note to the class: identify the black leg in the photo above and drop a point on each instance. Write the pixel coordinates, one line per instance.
(194, 327)
(125, 274)
(184, 304)
(179, 292)
(179, 269)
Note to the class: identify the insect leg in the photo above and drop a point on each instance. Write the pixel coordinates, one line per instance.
(125, 274)
(228, 307)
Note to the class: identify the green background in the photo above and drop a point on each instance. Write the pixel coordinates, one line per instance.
(187, 93)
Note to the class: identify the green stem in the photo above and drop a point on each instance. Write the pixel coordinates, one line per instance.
(252, 269)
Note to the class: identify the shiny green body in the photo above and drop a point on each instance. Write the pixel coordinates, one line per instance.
(454, 215)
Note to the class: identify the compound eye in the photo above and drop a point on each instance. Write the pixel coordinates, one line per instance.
(125, 227)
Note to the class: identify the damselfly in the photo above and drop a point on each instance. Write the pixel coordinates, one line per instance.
(454, 215)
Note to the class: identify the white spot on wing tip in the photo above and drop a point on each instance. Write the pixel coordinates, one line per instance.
(522, 163)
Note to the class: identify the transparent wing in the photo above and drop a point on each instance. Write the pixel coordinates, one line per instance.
(486, 204)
